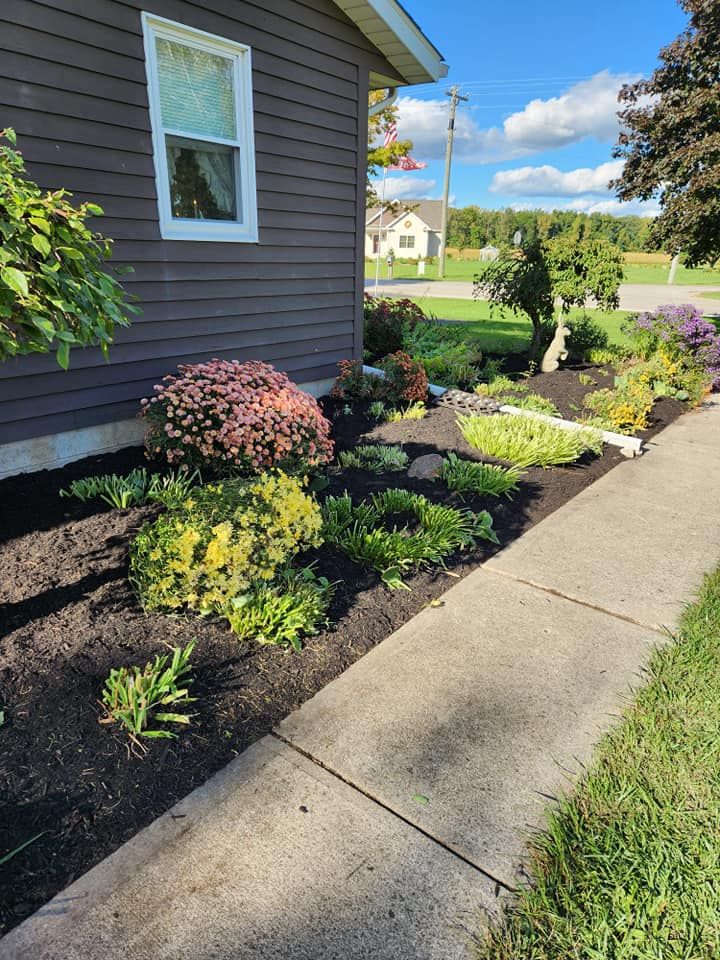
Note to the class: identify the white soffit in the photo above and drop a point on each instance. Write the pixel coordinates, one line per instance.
(397, 37)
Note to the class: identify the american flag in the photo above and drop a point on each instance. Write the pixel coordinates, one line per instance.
(407, 163)
(390, 134)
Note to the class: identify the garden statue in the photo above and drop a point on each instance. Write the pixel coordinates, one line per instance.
(557, 350)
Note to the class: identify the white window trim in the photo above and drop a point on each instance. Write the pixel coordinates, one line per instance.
(210, 230)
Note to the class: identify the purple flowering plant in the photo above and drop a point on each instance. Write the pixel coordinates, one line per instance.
(681, 331)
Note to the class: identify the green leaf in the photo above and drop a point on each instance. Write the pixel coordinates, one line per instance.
(10, 135)
(40, 223)
(41, 244)
(94, 209)
(63, 354)
(421, 799)
(15, 279)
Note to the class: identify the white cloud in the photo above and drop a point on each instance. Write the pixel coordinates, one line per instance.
(641, 208)
(547, 181)
(587, 109)
(399, 188)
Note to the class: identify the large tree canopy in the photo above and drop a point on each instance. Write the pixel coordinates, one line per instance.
(671, 138)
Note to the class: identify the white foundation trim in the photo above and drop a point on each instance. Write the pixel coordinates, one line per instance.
(58, 449)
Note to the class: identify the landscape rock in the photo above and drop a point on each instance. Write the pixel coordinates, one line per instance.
(426, 467)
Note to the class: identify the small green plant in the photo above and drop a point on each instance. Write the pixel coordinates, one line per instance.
(491, 370)
(133, 696)
(375, 458)
(135, 488)
(360, 532)
(526, 441)
(377, 410)
(414, 411)
(6, 857)
(499, 386)
(450, 353)
(481, 479)
(284, 612)
(54, 292)
(586, 380)
(534, 402)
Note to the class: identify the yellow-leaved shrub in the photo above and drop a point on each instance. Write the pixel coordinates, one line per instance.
(225, 538)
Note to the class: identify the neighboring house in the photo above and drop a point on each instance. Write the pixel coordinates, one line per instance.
(226, 141)
(413, 233)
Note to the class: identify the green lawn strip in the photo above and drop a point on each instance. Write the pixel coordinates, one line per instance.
(629, 866)
(508, 333)
(466, 270)
(712, 294)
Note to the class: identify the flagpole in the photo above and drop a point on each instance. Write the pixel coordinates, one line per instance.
(377, 258)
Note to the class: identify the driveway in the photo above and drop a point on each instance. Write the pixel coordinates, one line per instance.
(633, 296)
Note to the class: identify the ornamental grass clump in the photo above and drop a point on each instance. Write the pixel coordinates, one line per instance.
(225, 416)
(526, 441)
(360, 531)
(224, 540)
(481, 479)
(374, 457)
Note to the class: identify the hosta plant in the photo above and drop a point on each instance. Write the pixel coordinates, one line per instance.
(55, 293)
(481, 479)
(527, 441)
(228, 416)
(135, 697)
(361, 532)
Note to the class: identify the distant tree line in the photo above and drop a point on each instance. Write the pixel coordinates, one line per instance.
(474, 227)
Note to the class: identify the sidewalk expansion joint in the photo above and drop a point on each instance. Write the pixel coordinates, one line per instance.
(661, 631)
(499, 884)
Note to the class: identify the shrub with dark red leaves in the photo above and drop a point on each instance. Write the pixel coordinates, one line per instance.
(405, 378)
(225, 415)
(386, 322)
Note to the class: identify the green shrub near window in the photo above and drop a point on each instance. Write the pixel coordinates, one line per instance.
(54, 292)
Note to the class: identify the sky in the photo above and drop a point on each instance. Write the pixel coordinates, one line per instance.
(542, 77)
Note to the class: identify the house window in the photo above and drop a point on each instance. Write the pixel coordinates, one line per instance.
(200, 93)
(407, 242)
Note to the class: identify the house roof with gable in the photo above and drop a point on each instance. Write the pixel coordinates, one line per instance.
(429, 211)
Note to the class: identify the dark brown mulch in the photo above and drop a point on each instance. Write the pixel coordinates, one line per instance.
(68, 614)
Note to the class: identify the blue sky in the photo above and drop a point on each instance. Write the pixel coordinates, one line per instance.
(542, 79)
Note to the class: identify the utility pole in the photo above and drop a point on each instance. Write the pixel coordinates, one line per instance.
(455, 98)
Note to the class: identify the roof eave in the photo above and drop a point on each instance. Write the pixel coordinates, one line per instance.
(401, 41)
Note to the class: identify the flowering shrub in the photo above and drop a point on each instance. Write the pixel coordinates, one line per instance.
(387, 322)
(683, 334)
(226, 414)
(405, 378)
(225, 538)
(623, 409)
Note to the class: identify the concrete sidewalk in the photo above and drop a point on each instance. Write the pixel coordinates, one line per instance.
(387, 817)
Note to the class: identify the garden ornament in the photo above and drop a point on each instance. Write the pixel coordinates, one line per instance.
(557, 350)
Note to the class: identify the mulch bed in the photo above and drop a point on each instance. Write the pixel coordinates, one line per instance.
(68, 614)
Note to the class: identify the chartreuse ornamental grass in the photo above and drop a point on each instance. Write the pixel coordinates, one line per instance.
(629, 867)
(526, 441)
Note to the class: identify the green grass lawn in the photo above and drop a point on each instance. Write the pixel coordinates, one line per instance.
(466, 270)
(629, 867)
(507, 332)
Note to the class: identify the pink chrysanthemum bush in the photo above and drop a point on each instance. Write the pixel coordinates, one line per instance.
(226, 416)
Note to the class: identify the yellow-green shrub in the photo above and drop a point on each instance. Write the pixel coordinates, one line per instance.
(223, 539)
(623, 409)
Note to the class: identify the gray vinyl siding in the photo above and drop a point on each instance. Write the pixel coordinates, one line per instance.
(72, 84)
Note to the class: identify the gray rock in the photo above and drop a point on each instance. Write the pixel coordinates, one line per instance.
(426, 467)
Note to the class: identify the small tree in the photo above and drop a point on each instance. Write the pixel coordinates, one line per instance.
(520, 280)
(542, 273)
(54, 294)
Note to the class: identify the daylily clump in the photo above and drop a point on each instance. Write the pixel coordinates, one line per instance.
(226, 415)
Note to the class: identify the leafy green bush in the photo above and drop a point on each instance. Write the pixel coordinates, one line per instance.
(526, 441)
(225, 539)
(450, 354)
(375, 458)
(414, 411)
(586, 335)
(500, 385)
(623, 409)
(532, 401)
(359, 532)
(284, 612)
(482, 479)
(135, 488)
(133, 696)
(54, 294)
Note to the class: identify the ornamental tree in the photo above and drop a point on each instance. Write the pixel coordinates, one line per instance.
(54, 292)
(670, 140)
